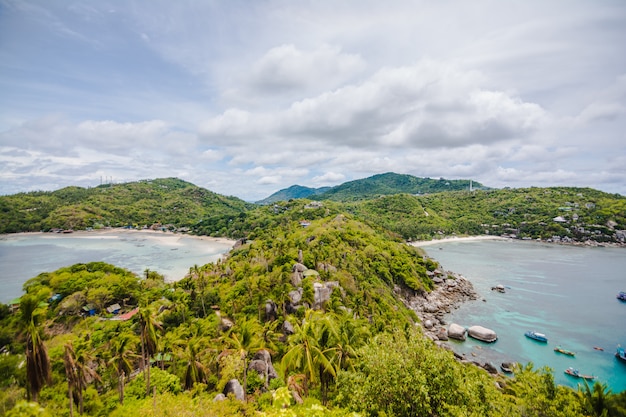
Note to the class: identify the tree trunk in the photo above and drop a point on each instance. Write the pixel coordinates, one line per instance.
(71, 398)
(120, 386)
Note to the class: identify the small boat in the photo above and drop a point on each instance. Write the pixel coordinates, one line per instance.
(621, 296)
(599, 348)
(559, 349)
(575, 373)
(620, 354)
(540, 337)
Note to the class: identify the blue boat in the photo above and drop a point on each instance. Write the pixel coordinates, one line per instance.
(621, 296)
(540, 337)
(620, 354)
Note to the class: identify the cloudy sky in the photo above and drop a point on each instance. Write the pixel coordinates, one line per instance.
(247, 97)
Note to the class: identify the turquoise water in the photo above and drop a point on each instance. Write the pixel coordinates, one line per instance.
(567, 292)
(24, 256)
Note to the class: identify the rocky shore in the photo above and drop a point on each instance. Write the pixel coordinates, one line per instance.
(451, 289)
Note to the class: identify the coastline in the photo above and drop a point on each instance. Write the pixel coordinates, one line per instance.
(419, 243)
(164, 237)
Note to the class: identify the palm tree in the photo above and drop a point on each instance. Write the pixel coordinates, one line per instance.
(78, 372)
(38, 370)
(195, 371)
(244, 337)
(198, 274)
(149, 326)
(123, 350)
(305, 353)
(594, 401)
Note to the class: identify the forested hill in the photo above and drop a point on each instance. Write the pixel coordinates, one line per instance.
(147, 202)
(295, 191)
(374, 186)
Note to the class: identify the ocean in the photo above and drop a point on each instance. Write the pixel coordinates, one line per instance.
(26, 255)
(566, 292)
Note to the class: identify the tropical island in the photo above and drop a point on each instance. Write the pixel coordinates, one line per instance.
(313, 312)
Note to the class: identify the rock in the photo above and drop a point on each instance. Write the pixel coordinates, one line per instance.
(482, 333)
(262, 364)
(288, 328)
(490, 367)
(226, 324)
(428, 324)
(295, 296)
(234, 387)
(270, 310)
(323, 290)
(298, 267)
(219, 397)
(456, 331)
(442, 334)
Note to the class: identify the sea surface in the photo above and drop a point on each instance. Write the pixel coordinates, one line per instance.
(26, 255)
(566, 292)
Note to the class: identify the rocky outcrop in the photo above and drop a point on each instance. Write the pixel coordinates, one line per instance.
(234, 387)
(323, 290)
(450, 291)
(456, 331)
(271, 310)
(262, 364)
(482, 333)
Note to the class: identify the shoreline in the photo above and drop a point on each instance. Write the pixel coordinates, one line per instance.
(420, 243)
(164, 237)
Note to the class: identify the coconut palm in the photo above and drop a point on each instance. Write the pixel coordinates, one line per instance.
(149, 328)
(244, 337)
(123, 353)
(305, 354)
(195, 371)
(38, 370)
(594, 400)
(78, 372)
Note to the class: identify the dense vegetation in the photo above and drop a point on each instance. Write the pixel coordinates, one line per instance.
(354, 352)
(372, 187)
(166, 201)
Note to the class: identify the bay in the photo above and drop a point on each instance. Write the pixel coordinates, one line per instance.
(26, 255)
(567, 292)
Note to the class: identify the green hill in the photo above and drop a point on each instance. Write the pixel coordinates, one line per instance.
(374, 186)
(160, 201)
(295, 191)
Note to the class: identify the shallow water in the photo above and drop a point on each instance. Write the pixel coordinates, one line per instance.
(24, 256)
(567, 292)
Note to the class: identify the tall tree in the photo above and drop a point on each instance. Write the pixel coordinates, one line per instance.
(305, 353)
(38, 370)
(245, 337)
(78, 372)
(149, 340)
(123, 353)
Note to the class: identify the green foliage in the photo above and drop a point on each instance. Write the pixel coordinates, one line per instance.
(168, 201)
(162, 381)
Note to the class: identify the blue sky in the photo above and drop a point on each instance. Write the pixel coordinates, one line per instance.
(247, 97)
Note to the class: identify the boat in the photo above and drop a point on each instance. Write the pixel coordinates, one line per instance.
(621, 296)
(575, 373)
(540, 337)
(599, 348)
(620, 354)
(559, 349)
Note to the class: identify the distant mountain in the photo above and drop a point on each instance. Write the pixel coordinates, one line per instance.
(374, 186)
(141, 203)
(295, 191)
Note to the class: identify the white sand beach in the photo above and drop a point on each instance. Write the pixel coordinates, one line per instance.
(420, 243)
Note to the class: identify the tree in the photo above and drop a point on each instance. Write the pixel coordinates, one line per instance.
(122, 349)
(149, 327)
(38, 370)
(305, 353)
(78, 373)
(595, 401)
(244, 337)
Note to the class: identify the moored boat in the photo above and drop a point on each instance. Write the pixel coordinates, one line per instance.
(559, 349)
(540, 337)
(620, 354)
(575, 373)
(621, 296)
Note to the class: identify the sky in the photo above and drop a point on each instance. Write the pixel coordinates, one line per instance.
(245, 98)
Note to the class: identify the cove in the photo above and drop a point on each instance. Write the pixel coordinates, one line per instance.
(567, 292)
(26, 255)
